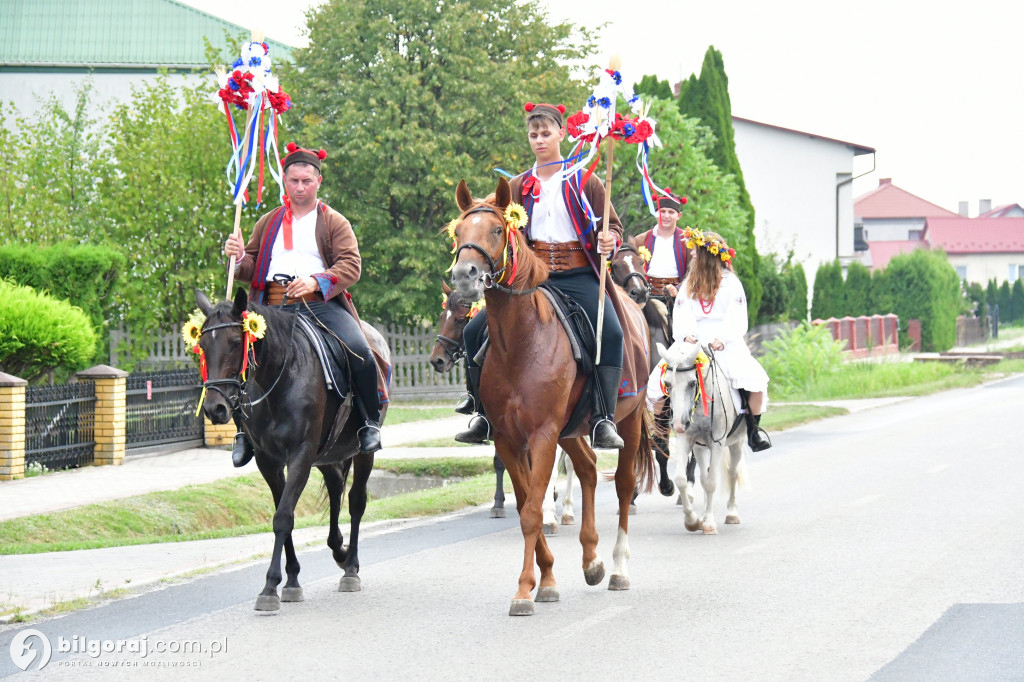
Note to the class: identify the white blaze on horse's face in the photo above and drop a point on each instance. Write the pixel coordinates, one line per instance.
(630, 263)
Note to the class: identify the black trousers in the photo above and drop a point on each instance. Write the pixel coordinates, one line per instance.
(364, 370)
(582, 286)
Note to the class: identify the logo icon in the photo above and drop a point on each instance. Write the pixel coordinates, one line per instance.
(24, 653)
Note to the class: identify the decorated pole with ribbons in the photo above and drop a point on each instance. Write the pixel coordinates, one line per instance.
(252, 87)
(597, 124)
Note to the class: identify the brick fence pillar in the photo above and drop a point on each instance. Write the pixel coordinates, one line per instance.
(12, 427)
(218, 435)
(111, 414)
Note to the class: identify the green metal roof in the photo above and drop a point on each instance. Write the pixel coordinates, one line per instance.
(119, 34)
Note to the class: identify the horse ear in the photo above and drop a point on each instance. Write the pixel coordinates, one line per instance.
(203, 301)
(463, 197)
(662, 351)
(445, 288)
(241, 302)
(503, 195)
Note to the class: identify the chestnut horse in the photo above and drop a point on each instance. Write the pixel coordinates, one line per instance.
(530, 384)
(449, 348)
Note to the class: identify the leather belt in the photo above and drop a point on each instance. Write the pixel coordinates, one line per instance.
(559, 257)
(658, 284)
(275, 295)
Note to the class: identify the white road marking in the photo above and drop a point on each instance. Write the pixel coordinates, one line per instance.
(867, 499)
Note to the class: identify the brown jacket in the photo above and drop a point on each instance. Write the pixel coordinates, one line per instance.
(335, 240)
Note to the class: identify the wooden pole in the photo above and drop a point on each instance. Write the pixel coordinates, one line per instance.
(605, 219)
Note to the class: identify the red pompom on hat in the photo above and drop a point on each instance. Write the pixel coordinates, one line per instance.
(669, 201)
(297, 154)
(555, 110)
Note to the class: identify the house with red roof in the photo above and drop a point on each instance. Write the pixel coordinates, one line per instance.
(890, 221)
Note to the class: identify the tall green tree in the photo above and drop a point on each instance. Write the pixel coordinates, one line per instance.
(926, 287)
(410, 96)
(857, 290)
(1017, 299)
(828, 292)
(707, 98)
(650, 86)
(1005, 301)
(796, 284)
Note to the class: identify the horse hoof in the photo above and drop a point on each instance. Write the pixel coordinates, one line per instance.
(595, 574)
(710, 530)
(521, 607)
(669, 491)
(349, 583)
(732, 518)
(268, 602)
(568, 519)
(497, 513)
(550, 529)
(547, 594)
(618, 582)
(692, 526)
(291, 594)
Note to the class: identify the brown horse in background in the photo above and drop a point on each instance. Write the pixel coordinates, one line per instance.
(530, 384)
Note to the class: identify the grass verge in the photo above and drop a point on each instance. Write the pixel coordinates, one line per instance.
(401, 414)
(779, 417)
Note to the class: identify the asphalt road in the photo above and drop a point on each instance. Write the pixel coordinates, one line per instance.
(881, 545)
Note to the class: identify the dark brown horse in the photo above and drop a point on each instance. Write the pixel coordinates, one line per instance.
(288, 414)
(529, 386)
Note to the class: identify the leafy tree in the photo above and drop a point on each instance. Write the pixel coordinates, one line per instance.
(828, 292)
(410, 96)
(881, 299)
(796, 284)
(650, 86)
(926, 287)
(857, 290)
(975, 294)
(1017, 300)
(1005, 303)
(774, 296)
(51, 173)
(707, 98)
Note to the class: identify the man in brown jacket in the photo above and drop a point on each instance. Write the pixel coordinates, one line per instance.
(309, 241)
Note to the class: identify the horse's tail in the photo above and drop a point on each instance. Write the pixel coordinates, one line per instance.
(645, 467)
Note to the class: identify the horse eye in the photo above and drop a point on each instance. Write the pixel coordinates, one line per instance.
(692, 384)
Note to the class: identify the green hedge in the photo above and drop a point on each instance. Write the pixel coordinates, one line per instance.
(82, 275)
(828, 298)
(40, 334)
(924, 286)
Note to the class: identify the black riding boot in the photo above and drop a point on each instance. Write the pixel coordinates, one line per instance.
(467, 404)
(479, 431)
(242, 450)
(368, 403)
(757, 439)
(602, 418)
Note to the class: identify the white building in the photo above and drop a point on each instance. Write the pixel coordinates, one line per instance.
(801, 187)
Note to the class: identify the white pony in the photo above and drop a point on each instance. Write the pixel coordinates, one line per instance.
(705, 419)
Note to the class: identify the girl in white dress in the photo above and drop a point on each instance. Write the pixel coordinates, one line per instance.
(711, 309)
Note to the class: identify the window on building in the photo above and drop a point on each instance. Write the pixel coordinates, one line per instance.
(1015, 272)
(914, 235)
(961, 272)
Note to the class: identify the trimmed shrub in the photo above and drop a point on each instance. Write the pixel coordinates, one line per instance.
(828, 291)
(1005, 301)
(797, 357)
(857, 291)
(82, 275)
(40, 334)
(774, 294)
(881, 300)
(925, 287)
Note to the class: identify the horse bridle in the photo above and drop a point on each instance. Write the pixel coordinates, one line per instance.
(235, 400)
(453, 348)
(635, 273)
(490, 278)
(713, 372)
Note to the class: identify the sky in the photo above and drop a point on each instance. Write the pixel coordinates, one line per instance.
(935, 87)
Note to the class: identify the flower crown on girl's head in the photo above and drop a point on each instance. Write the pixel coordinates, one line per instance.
(715, 245)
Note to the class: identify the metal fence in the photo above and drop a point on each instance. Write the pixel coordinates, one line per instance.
(161, 408)
(59, 423)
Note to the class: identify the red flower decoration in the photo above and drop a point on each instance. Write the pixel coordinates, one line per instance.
(574, 124)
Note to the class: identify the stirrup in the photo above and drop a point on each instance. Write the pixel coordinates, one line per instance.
(608, 439)
(478, 433)
(369, 437)
(467, 404)
(758, 439)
